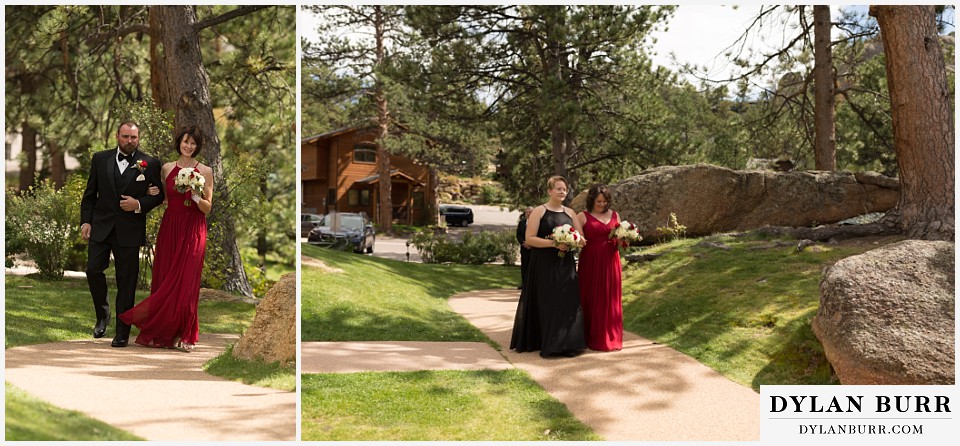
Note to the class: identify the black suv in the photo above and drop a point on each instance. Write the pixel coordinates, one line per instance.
(456, 215)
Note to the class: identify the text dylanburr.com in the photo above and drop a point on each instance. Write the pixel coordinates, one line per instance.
(874, 415)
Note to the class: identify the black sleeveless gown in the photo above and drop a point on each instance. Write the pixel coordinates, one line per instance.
(548, 317)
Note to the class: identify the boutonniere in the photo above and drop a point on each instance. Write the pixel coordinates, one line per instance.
(141, 166)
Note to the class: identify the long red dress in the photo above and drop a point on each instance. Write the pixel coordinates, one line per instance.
(601, 286)
(169, 314)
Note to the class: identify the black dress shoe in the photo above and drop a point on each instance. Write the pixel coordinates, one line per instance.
(101, 328)
(119, 342)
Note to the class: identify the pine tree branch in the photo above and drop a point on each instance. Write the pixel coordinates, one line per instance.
(213, 21)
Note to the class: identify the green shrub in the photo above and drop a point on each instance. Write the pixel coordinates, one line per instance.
(44, 221)
(491, 194)
(76, 256)
(474, 249)
(673, 230)
(477, 249)
(435, 248)
(257, 275)
(13, 242)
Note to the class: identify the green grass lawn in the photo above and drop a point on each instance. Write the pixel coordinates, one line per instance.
(434, 405)
(376, 299)
(745, 311)
(39, 312)
(260, 374)
(28, 418)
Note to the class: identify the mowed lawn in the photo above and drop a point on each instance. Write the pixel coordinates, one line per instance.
(374, 299)
(488, 405)
(744, 311)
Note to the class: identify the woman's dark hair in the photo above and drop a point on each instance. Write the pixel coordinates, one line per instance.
(194, 133)
(595, 191)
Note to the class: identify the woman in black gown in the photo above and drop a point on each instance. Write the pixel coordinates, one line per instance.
(548, 317)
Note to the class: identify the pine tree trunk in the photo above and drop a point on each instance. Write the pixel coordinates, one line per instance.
(160, 90)
(825, 143)
(562, 85)
(556, 87)
(28, 167)
(433, 206)
(383, 123)
(58, 164)
(262, 246)
(923, 121)
(190, 92)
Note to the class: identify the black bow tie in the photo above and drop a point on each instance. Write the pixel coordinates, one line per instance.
(121, 157)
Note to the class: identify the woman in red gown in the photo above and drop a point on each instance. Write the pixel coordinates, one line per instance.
(599, 272)
(168, 317)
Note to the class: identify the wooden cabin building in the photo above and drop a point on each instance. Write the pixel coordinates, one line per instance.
(340, 174)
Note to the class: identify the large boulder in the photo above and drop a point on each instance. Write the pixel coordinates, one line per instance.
(709, 199)
(887, 316)
(273, 335)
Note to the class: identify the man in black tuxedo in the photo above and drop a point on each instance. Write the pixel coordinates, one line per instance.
(113, 217)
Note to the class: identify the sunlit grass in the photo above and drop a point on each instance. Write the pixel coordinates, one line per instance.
(434, 405)
(256, 373)
(376, 299)
(38, 312)
(30, 419)
(745, 311)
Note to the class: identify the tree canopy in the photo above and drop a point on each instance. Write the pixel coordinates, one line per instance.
(75, 72)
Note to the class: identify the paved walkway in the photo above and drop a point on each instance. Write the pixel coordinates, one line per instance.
(157, 394)
(646, 391)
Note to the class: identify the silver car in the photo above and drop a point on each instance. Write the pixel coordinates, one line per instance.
(308, 222)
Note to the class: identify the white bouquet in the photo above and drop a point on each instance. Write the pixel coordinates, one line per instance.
(566, 235)
(189, 179)
(626, 232)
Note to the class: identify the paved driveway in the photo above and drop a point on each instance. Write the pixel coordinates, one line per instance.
(485, 218)
(489, 218)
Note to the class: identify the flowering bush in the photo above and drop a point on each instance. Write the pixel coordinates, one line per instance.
(41, 222)
(566, 235)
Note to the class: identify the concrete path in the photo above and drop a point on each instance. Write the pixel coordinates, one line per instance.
(157, 394)
(646, 391)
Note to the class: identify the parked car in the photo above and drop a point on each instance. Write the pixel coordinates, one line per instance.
(344, 230)
(308, 222)
(456, 215)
